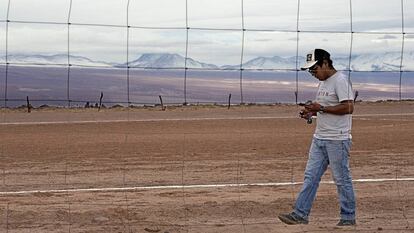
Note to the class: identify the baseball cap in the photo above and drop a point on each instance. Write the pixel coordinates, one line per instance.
(314, 56)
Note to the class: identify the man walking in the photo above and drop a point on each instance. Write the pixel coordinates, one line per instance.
(331, 141)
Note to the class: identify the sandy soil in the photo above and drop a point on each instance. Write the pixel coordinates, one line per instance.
(75, 150)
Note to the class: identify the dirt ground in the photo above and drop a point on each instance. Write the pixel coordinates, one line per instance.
(195, 169)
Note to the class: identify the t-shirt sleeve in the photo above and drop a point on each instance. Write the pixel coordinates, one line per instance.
(344, 89)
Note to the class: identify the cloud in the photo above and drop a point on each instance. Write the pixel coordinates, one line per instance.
(219, 46)
(388, 37)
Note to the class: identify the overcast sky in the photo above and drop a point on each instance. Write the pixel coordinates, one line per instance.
(211, 46)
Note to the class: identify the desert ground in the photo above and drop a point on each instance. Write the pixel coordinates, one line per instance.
(195, 169)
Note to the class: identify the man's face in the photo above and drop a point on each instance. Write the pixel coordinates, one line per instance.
(317, 71)
(314, 70)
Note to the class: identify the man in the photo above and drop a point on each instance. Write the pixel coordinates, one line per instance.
(331, 141)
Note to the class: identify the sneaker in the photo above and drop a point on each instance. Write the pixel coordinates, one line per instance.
(344, 222)
(292, 219)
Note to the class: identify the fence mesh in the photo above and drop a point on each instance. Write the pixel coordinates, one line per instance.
(82, 43)
(82, 54)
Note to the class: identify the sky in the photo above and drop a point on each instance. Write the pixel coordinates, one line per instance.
(271, 27)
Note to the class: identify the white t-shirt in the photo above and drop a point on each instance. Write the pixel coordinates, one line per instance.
(331, 92)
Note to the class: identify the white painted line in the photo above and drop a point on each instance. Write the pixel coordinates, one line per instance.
(140, 120)
(182, 119)
(384, 114)
(114, 189)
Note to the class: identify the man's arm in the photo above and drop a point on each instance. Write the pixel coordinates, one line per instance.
(345, 107)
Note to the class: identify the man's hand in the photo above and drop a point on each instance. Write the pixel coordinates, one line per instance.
(307, 115)
(313, 107)
(345, 107)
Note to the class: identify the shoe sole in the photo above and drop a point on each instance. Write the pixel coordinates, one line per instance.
(345, 225)
(289, 221)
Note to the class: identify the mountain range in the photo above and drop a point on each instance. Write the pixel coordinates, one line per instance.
(57, 59)
(389, 61)
(167, 60)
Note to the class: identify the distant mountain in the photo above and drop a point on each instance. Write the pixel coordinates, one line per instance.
(57, 59)
(389, 61)
(386, 62)
(367, 62)
(274, 62)
(167, 60)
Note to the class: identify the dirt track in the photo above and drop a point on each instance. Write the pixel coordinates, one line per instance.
(195, 146)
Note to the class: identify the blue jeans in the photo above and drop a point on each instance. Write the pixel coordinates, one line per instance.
(323, 153)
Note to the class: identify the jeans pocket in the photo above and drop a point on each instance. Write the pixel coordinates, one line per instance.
(346, 147)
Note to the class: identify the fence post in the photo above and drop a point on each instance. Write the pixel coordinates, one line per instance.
(162, 103)
(356, 95)
(296, 97)
(100, 102)
(28, 104)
